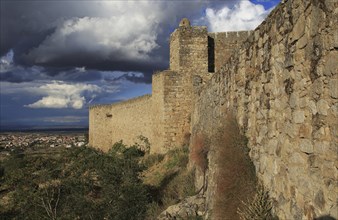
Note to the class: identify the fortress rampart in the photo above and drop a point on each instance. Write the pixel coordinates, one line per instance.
(281, 82)
(164, 117)
(282, 86)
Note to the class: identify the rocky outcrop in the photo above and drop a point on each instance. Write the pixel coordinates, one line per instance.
(190, 207)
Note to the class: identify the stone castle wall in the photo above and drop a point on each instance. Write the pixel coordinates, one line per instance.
(100, 126)
(188, 57)
(282, 85)
(122, 121)
(165, 116)
(223, 44)
(158, 116)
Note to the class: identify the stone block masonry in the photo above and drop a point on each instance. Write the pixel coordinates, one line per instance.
(122, 121)
(282, 86)
(281, 83)
(163, 117)
(223, 45)
(100, 126)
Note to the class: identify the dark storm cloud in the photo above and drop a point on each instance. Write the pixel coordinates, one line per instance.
(35, 31)
(96, 34)
(20, 74)
(15, 78)
(22, 20)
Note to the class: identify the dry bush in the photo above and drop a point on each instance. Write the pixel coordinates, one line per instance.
(186, 139)
(257, 208)
(235, 177)
(199, 152)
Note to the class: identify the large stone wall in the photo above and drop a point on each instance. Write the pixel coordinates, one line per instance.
(282, 85)
(164, 118)
(158, 113)
(223, 44)
(188, 58)
(100, 126)
(122, 121)
(131, 119)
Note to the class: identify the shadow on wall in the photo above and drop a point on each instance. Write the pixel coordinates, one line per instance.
(325, 217)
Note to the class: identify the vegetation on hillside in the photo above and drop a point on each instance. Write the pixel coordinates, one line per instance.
(128, 182)
(75, 183)
(85, 183)
(168, 179)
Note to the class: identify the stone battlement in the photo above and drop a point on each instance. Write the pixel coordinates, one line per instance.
(231, 34)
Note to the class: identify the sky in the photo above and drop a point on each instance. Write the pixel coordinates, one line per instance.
(59, 57)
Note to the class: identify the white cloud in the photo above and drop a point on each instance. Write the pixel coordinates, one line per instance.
(6, 62)
(129, 33)
(245, 15)
(62, 95)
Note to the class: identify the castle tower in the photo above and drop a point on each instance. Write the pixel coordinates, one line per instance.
(173, 91)
(189, 48)
(165, 116)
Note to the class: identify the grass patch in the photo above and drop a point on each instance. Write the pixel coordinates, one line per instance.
(169, 181)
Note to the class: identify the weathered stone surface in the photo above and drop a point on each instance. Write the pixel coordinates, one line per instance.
(298, 29)
(333, 85)
(302, 42)
(187, 209)
(319, 199)
(297, 158)
(298, 116)
(313, 107)
(306, 146)
(305, 130)
(331, 66)
(294, 99)
(318, 86)
(322, 107)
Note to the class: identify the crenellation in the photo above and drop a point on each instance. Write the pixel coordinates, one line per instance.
(224, 45)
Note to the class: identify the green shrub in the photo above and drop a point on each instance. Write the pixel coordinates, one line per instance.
(152, 159)
(77, 183)
(169, 181)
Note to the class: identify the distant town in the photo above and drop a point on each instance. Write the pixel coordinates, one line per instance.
(24, 140)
